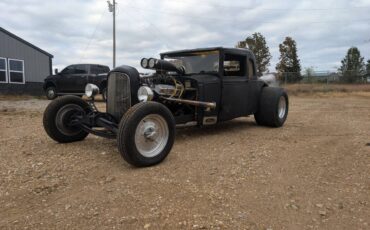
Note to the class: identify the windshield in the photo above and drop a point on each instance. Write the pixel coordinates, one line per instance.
(196, 62)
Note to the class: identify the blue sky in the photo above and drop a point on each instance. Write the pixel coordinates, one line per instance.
(80, 31)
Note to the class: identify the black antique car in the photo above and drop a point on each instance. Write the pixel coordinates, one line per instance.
(189, 87)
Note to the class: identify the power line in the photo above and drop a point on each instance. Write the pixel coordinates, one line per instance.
(92, 36)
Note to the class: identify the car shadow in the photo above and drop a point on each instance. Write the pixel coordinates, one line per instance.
(220, 128)
(107, 148)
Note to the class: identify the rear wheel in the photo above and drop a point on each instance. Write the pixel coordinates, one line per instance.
(273, 107)
(58, 118)
(51, 93)
(146, 134)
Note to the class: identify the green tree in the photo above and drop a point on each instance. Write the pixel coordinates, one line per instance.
(353, 66)
(289, 66)
(257, 44)
(308, 73)
(368, 67)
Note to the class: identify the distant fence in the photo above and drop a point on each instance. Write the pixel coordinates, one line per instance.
(320, 78)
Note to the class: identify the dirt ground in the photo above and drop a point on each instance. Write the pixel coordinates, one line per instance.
(314, 173)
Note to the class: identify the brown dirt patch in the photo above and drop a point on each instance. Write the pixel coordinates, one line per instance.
(311, 174)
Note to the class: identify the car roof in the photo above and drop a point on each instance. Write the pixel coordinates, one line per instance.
(90, 64)
(242, 51)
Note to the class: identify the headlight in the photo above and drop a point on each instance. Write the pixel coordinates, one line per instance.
(144, 63)
(151, 63)
(91, 90)
(145, 94)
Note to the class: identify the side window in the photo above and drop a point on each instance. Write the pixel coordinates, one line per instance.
(68, 70)
(80, 69)
(106, 69)
(94, 69)
(99, 69)
(75, 69)
(3, 71)
(234, 65)
(251, 70)
(16, 71)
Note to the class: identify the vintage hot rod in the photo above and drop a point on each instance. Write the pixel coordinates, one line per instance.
(189, 87)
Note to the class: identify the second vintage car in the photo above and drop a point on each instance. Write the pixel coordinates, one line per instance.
(189, 87)
(73, 79)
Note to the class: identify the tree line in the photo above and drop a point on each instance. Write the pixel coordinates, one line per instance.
(353, 67)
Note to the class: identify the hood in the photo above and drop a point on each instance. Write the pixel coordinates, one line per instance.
(50, 77)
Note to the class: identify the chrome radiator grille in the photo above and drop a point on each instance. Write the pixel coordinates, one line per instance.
(118, 94)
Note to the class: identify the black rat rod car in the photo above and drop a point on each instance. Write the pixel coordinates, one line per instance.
(189, 87)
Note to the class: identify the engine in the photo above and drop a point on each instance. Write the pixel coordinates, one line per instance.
(163, 84)
(166, 81)
(171, 87)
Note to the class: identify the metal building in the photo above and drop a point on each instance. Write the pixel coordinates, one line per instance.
(23, 66)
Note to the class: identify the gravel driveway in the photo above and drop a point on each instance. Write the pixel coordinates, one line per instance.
(314, 173)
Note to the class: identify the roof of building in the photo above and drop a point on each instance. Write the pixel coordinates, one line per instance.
(25, 42)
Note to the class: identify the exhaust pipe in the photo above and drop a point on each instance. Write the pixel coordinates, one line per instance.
(207, 105)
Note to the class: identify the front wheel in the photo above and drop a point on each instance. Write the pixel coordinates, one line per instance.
(58, 118)
(51, 93)
(273, 107)
(146, 134)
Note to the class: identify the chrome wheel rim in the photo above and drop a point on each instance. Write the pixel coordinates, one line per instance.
(282, 107)
(51, 93)
(151, 135)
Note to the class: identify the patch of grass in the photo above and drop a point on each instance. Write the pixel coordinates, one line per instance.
(328, 89)
(14, 97)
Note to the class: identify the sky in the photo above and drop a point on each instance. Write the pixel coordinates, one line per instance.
(80, 31)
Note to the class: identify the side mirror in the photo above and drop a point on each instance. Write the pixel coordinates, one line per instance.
(56, 71)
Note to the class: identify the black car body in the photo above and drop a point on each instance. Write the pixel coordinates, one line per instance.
(73, 79)
(189, 87)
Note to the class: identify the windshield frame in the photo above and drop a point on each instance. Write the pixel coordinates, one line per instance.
(165, 56)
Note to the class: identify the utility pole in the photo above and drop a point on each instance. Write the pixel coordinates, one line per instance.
(112, 8)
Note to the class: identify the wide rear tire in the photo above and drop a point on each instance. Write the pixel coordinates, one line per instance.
(58, 115)
(273, 107)
(146, 134)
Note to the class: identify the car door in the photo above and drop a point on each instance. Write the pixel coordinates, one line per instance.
(234, 101)
(80, 78)
(254, 86)
(65, 80)
(97, 74)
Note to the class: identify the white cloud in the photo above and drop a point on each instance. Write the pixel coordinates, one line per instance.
(81, 31)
